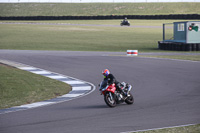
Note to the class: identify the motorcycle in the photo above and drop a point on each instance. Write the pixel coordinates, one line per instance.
(112, 97)
(125, 23)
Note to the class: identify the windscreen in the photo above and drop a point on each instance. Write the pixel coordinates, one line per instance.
(103, 84)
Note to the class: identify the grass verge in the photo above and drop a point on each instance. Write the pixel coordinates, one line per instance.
(179, 57)
(143, 36)
(95, 9)
(18, 87)
(184, 129)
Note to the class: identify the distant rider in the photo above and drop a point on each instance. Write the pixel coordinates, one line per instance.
(125, 20)
(111, 79)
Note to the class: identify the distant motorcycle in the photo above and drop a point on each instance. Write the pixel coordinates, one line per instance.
(125, 23)
(112, 97)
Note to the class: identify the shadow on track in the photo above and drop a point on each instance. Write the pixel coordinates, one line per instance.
(92, 107)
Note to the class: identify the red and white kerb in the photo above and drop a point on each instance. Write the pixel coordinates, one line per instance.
(132, 52)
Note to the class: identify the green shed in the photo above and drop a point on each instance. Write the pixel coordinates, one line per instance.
(181, 33)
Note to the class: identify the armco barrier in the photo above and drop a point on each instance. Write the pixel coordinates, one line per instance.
(170, 16)
(175, 46)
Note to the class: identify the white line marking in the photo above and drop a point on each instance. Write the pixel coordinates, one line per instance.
(37, 104)
(27, 68)
(72, 95)
(40, 72)
(85, 88)
(56, 77)
(74, 82)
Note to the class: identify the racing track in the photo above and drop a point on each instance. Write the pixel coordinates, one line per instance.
(166, 92)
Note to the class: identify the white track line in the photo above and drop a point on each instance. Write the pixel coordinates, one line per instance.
(73, 82)
(85, 88)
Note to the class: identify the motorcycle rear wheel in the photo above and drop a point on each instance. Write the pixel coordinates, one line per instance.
(109, 101)
(129, 99)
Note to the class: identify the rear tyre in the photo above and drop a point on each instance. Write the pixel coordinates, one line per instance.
(110, 101)
(129, 99)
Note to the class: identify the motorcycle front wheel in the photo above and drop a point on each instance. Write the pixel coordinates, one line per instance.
(110, 101)
(129, 99)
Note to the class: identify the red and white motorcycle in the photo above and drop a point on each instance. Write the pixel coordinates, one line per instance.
(113, 97)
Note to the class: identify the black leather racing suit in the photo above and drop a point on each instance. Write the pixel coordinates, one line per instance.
(111, 79)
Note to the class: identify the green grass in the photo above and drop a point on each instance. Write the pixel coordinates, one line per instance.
(82, 38)
(86, 38)
(179, 57)
(19, 87)
(184, 129)
(95, 9)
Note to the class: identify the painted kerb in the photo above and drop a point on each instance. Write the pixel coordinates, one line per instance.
(79, 88)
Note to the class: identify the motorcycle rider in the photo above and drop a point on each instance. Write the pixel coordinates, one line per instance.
(125, 20)
(111, 79)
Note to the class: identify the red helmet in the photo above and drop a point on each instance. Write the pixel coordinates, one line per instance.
(106, 72)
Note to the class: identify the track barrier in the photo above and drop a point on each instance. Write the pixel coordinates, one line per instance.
(100, 17)
(132, 52)
(176, 46)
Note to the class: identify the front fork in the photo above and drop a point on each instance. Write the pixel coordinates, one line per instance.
(129, 88)
(111, 97)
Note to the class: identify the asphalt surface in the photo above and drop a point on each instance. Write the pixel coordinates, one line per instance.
(166, 92)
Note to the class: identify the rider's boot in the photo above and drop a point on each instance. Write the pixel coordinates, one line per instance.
(121, 90)
(123, 93)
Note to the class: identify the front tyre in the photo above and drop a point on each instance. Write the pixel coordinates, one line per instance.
(110, 101)
(129, 99)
